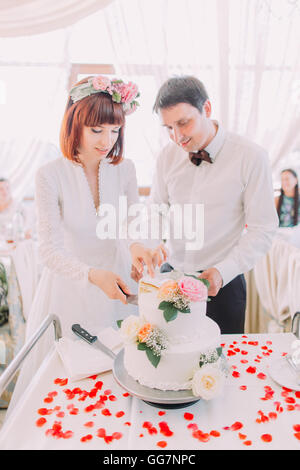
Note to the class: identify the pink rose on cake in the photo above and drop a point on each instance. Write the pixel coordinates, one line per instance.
(194, 289)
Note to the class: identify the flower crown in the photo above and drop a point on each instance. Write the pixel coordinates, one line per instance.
(125, 93)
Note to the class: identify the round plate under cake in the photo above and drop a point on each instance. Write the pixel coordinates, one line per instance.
(152, 396)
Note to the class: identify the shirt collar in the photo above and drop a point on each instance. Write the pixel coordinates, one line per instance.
(214, 147)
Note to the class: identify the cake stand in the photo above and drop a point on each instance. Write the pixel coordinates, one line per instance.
(162, 399)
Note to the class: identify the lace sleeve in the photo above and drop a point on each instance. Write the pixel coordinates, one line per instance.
(50, 235)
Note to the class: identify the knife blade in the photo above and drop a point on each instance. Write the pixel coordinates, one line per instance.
(92, 340)
(131, 298)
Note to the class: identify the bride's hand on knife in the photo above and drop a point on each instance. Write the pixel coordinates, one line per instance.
(111, 284)
(141, 256)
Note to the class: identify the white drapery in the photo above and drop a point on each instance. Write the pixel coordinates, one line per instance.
(245, 51)
(23, 17)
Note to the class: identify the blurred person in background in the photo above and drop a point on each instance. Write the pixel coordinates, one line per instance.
(17, 221)
(287, 203)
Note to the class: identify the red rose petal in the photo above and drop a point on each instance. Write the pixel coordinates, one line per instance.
(40, 422)
(101, 432)
(247, 443)
(89, 424)
(106, 412)
(215, 433)
(236, 426)
(119, 414)
(242, 436)
(261, 376)
(235, 374)
(193, 426)
(290, 400)
(251, 370)
(161, 444)
(266, 437)
(188, 416)
(296, 427)
(230, 353)
(44, 411)
(88, 437)
(164, 429)
(243, 387)
(297, 435)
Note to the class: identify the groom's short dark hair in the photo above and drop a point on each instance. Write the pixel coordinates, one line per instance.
(181, 89)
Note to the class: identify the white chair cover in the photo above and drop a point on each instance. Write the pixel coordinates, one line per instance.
(25, 259)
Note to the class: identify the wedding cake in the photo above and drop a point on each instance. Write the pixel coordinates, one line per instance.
(172, 344)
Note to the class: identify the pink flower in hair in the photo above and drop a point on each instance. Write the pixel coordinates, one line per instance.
(129, 92)
(101, 83)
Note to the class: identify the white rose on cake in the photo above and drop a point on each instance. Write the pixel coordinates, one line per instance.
(208, 381)
(130, 327)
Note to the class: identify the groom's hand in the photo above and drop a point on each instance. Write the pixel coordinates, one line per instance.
(143, 256)
(135, 274)
(215, 280)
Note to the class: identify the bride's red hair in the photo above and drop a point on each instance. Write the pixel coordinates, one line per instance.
(91, 112)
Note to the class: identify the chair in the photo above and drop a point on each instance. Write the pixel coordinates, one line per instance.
(274, 277)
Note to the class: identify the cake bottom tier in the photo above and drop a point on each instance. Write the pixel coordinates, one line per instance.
(177, 365)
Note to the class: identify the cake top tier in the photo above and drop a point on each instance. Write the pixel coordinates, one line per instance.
(174, 302)
(175, 286)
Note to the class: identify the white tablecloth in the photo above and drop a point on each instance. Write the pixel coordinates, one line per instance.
(254, 412)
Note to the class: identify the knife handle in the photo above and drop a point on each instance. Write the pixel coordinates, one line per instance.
(82, 333)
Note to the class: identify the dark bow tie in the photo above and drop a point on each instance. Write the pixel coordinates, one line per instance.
(197, 158)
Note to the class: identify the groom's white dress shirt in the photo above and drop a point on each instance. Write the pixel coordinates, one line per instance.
(236, 189)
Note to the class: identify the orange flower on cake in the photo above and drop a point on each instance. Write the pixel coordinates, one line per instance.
(144, 333)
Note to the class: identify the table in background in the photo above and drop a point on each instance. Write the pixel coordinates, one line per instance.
(252, 413)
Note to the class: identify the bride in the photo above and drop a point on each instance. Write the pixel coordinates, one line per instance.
(83, 275)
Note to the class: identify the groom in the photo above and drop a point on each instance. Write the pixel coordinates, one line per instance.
(230, 175)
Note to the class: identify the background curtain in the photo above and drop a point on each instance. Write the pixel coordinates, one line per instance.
(23, 17)
(245, 51)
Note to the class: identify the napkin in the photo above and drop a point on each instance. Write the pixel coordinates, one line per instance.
(83, 360)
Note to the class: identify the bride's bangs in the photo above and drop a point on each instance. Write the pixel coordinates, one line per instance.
(100, 109)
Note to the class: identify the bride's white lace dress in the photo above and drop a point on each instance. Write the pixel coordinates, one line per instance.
(69, 247)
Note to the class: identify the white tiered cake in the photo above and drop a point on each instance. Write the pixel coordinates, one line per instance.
(173, 345)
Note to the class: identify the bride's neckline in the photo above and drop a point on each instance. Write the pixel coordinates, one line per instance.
(95, 207)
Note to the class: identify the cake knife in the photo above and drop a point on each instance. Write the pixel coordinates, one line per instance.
(92, 340)
(131, 298)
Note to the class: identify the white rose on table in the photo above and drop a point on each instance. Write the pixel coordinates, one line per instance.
(208, 382)
(130, 327)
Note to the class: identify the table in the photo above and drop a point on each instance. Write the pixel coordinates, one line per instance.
(95, 413)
